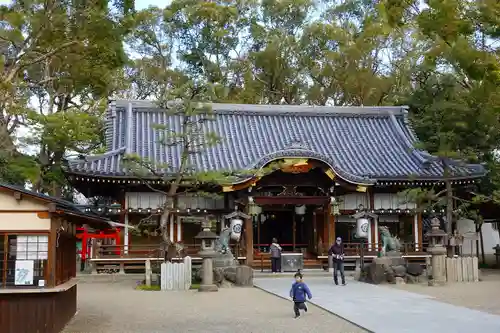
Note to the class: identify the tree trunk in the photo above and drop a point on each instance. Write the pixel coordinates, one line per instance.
(6, 142)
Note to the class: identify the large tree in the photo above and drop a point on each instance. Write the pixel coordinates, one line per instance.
(58, 70)
(455, 102)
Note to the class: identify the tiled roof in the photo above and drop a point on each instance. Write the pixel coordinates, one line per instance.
(63, 205)
(361, 144)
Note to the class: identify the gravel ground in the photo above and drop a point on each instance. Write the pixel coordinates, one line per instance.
(483, 295)
(118, 308)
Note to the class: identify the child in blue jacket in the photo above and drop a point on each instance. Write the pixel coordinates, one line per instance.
(298, 294)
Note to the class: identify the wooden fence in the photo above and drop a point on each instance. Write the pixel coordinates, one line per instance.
(176, 276)
(462, 269)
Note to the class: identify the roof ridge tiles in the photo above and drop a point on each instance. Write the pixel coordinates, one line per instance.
(97, 157)
(266, 109)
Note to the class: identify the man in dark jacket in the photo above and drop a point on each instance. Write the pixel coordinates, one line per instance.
(337, 253)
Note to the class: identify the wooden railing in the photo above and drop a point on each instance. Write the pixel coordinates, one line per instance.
(354, 249)
(147, 251)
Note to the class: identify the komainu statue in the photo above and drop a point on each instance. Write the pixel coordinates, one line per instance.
(389, 243)
(222, 243)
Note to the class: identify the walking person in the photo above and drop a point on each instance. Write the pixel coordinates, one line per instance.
(298, 294)
(275, 250)
(337, 253)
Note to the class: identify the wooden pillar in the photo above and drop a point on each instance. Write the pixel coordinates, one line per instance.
(179, 229)
(418, 232)
(249, 241)
(259, 219)
(373, 224)
(314, 244)
(126, 236)
(331, 225)
(52, 253)
(326, 239)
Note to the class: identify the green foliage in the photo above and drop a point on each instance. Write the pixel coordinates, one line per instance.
(64, 55)
(441, 59)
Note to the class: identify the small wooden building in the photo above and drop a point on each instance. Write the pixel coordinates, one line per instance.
(38, 260)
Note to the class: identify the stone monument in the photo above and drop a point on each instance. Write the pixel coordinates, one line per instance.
(207, 253)
(437, 250)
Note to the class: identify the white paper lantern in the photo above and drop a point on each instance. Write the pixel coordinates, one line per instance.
(236, 226)
(362, 227)
(254, 210)
(300, 210)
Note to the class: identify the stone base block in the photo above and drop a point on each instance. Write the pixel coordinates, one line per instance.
(208, 288)
(244, 276)
(436, 283)
(400, 280)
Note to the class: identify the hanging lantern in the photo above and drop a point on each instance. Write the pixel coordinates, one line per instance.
(335, 206)
(362, 226)
(236, 227)
(300, 210)
(253, 209)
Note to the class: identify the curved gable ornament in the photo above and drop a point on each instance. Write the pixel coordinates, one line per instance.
(307, 153)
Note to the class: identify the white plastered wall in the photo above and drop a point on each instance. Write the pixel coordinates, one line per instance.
(490, 238)
(21, 214)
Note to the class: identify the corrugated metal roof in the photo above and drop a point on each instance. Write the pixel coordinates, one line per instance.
(361, 144)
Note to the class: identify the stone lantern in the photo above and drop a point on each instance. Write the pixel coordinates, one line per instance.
(207, 253)
(437, 250)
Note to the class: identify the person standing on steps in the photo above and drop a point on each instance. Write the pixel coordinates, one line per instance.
(275, 250)
(337, 253)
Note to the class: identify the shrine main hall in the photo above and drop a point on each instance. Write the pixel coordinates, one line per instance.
(334, 162)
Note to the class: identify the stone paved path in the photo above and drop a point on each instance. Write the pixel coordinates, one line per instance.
(107, 307)
(385, 310)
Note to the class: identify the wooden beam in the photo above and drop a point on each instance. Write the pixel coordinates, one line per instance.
(18, 195)
(291, 200)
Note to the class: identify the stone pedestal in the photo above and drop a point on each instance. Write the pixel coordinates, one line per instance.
(207, 281)
(438, 264)
(244, 276)
(224, 260)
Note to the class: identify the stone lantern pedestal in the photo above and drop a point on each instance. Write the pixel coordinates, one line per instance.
(207, 253)
(437, 250)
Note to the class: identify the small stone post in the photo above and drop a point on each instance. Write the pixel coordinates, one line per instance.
(207, 253)
(438, 253)
(148, 273)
